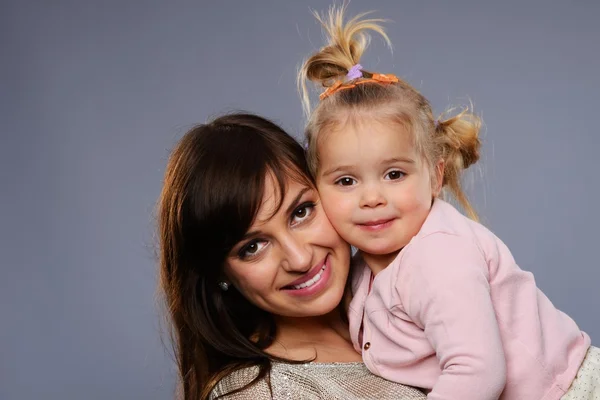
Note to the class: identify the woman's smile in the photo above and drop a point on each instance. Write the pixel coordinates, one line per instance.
(313, 282)
(295, 264)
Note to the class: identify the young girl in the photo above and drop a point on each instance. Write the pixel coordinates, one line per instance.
(442, 304)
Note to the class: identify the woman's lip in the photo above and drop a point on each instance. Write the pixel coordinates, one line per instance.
(317, 287)
(311, 274)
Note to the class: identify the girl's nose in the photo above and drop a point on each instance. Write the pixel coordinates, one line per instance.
(372, 197)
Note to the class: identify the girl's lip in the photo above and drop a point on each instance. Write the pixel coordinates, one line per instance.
(317, 287)
(376, 225)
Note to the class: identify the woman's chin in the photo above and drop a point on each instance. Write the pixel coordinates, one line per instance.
(320, 306)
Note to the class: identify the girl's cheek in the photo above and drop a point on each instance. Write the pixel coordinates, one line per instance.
(342, 207)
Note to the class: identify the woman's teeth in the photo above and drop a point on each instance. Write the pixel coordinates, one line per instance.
(310, 282)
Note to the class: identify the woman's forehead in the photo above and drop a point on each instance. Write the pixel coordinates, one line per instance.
(278, 196)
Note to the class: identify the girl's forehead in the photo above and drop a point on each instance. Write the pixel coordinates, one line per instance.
(385, 114)
(368, 139)
(365, 124)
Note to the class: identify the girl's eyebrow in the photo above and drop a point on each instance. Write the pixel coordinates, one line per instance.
(337, 169)
(387, 161)
(398, 159)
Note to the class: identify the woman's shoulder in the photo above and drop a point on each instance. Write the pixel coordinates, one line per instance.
(350, 381)
(240, 379)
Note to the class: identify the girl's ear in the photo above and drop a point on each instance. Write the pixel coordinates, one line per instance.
(438, 181)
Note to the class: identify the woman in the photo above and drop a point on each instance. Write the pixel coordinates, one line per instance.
(253, 273)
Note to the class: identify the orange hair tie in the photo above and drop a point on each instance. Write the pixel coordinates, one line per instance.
(339, 85)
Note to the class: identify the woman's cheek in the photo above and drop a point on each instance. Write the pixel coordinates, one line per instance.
(253, 280)
(325, 235)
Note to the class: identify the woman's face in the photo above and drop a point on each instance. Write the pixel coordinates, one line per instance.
(291, 263)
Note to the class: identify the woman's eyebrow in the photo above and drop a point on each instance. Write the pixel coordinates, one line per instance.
(251, 234)
(296, 200)
(290, 208)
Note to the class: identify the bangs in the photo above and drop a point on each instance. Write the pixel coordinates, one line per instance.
(281, 176)
(230, 188)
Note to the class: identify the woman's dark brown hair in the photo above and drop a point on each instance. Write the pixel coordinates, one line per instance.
(212, 191)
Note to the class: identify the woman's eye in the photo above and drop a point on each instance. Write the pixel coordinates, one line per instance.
(393, 175)
(251, 249)
(345, 181)
(302, 212)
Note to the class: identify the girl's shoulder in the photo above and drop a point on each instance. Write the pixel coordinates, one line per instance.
(445, 218)
(446, 237)
(445, 226)
(358, 267)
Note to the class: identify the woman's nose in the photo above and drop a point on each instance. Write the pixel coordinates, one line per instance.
(297, 254)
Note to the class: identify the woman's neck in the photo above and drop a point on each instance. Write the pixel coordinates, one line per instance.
(311, 326)
(324, 339)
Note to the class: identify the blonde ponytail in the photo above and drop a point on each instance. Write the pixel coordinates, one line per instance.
(345, 45)
(458, 140)
(455, 139)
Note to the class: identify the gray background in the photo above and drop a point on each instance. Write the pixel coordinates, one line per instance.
(95, 93)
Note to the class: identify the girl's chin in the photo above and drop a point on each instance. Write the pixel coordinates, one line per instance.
(381, 249)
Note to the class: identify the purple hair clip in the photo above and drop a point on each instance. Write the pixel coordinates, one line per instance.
(355, 72)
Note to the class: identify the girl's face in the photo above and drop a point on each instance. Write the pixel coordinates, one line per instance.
(291, 263)
(375, 189)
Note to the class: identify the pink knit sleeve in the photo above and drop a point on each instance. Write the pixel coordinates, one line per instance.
(443, 286)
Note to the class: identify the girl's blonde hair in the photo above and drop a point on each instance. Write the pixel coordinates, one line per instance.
(453, 139)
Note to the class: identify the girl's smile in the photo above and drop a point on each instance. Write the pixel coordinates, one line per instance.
(375, 187)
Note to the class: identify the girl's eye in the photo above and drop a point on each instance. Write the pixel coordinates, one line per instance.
(345, 181)
(302, 212)
(251, 249)
(393, 175)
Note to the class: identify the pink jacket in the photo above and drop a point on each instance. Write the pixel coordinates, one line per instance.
(455, 314)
